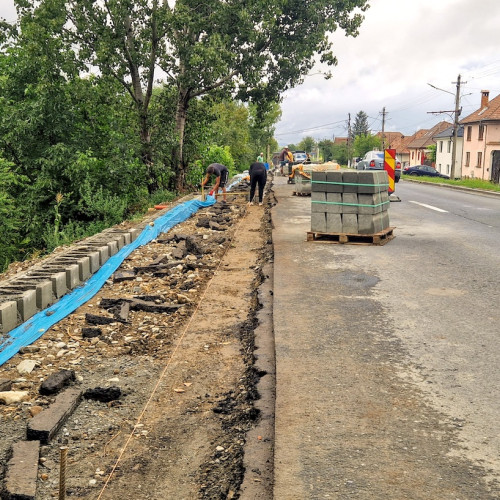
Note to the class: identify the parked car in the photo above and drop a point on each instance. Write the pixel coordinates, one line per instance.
(299, 156)
(374, 160)
(424, 170)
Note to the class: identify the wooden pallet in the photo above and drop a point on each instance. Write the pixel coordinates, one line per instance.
(380, 238)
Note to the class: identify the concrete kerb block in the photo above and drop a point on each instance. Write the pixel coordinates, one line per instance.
(350, 224)
(59, 284)
(43, 289)
(83, 268)
(112, 247)
(94, 262)
(370, 204)
(72, 276)
(335, 177)
(333, 223)
(22, 471)
(317, 178)
(371, 224)
(8, 315)
(104, 254)
(350, 179)
(134, 233)
(26, 305)
(334, 203)
(318, 222)
(350, 202)
(318, 202)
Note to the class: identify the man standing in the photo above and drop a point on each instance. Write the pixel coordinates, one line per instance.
(221, 173)
(260, 158)
(258, 175)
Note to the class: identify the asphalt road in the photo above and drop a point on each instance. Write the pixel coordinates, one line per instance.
(357, 327)
(442, 288)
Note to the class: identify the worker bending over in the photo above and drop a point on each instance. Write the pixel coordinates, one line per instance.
(258, 175)
(222, 174)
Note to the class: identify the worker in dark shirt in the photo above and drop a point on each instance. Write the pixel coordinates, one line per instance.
(258, 175)
(221, 173)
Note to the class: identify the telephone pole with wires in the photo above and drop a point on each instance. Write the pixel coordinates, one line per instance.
(349, 139)
(383, 128)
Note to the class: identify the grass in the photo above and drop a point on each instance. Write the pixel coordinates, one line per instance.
(469, 183)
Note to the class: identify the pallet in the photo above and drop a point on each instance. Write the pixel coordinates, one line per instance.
(380, 238)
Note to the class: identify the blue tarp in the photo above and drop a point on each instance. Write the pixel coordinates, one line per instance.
(36, 326)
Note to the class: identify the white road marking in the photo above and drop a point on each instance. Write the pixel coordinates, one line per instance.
(429, 206)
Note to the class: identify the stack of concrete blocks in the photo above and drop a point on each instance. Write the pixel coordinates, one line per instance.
(23, 296)
(302, 185)
(349, 202)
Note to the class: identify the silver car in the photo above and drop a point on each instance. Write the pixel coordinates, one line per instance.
(375, 160)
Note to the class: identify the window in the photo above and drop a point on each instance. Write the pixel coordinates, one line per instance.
(481, 133)
(467, 159)
(479, 159)
(412, 155)
(449, 146)
(440, 146)
(448, 169)
(469, 133)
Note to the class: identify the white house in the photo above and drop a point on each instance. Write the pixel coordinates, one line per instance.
(444, 151)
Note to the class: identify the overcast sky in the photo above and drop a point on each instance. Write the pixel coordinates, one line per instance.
(403, 45)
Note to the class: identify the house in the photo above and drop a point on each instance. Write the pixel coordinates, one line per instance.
(419, 147)
(444, 150)
(481, 151)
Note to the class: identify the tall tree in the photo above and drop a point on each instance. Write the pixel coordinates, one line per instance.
(253, 50)
(360, 124)
(307, 144)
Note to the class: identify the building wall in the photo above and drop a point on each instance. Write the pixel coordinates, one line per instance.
(478, 153)
(444, 148)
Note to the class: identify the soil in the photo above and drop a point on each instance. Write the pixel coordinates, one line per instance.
(183, 386)
(184, 381)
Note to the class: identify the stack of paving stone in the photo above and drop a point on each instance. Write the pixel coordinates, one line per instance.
(349, 202)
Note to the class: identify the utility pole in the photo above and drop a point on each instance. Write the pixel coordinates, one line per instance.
(349, 140)
(383, 128)
(455, 129)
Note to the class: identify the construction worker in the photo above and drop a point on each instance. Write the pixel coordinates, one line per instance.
(258, 175)
(221, 173)
(285, 157)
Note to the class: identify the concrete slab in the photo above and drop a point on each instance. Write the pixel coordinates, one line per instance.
(22, 471)
(45, 425)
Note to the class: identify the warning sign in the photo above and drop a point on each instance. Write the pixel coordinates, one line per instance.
(390, 167)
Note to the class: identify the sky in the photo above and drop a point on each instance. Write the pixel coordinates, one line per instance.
(403, 46)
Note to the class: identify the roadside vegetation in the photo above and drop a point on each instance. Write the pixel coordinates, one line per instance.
(107, 108)
(469, 183)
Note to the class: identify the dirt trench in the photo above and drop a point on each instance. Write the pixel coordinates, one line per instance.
(185, 375)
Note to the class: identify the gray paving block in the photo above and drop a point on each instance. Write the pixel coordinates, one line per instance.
(333, 205)
(83, 268)
(318, 179)
(134, 233)
(26, 304)
(318, 202)
(350, 180)
(371, 224)
(8, 315)
(367, 182)
(59, 287)
(128, 238)
(349, 203)
(22, 471)
(336, 180)
(333, 223)
(72, 276)
(43, 289)
(318, 222)
(370, 203)
(112, 247)
(350, 223)
(45, 425)
(94, 262)
(104, 254)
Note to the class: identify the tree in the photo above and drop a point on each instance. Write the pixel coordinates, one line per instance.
(365, 143)
(360, 124)
(307, 144)
(253, 50)
(326, 149)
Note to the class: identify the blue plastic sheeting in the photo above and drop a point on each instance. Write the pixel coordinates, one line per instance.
(36, 326)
